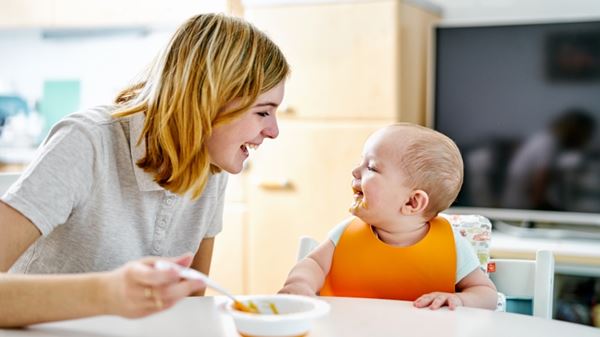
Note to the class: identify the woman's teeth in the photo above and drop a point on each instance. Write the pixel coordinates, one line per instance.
(247, 146)
(251, 146)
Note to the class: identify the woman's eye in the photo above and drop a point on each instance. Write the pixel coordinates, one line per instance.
(263, 114)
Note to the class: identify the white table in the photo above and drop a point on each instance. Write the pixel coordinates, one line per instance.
(348, 317)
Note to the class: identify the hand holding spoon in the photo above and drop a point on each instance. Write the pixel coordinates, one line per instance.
(192, 274)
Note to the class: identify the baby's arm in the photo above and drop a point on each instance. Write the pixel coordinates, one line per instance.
(308, 275)
(477, 290)
(474, 290)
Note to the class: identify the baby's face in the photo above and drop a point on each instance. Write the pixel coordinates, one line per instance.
(379, 184)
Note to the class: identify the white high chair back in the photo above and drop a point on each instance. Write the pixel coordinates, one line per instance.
(518, 281)
(524, 286)
(526, 280)
(7, 179)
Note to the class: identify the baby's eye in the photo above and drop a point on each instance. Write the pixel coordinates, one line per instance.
(371, 168)
(263, 114)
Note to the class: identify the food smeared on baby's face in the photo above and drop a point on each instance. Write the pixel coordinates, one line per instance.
(359, 201)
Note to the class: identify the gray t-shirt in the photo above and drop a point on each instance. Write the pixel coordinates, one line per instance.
(96, 209)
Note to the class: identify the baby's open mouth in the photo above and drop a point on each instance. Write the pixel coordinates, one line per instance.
(359, 201)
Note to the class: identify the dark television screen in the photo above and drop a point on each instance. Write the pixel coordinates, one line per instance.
(522, 102)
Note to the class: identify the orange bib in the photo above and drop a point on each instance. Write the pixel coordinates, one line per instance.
(364, 266)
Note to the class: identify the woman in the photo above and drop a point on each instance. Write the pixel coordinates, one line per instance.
(139, 178)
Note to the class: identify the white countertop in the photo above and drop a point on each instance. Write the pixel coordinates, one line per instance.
(201, 316)
(568, 253)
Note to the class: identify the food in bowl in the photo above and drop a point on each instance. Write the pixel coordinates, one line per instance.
(280, 315)
(249, 307)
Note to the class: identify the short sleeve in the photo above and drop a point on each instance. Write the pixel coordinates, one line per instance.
(58, 180)
(336, 232)
(216, 224)
(466, 259)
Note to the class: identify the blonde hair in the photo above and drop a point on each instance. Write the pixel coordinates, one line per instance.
(211, 60)
(432, 163)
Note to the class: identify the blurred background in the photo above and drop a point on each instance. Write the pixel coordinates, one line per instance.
(356, 65)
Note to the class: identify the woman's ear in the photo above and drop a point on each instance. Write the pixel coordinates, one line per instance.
(416, 203)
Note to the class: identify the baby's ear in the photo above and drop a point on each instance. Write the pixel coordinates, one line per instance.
(416, 203)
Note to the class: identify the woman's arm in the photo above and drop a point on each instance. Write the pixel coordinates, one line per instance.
(308, 275)
(18, 233)
(134, 290)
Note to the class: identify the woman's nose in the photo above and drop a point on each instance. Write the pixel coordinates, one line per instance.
(272, 130)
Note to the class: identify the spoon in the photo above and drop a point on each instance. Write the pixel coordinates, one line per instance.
(192, 274)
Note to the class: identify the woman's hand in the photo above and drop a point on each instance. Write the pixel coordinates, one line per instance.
(138, 289)
(437, 300)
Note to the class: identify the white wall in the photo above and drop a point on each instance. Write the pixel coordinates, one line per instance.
(490, 11)
(102, 64)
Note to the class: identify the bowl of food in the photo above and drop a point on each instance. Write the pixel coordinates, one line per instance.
(275, 315)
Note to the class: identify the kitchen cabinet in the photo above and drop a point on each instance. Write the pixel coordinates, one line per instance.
(229, 261)
(342, 56)
(356, 66)
(299, 184)
(354, 59)
(102, 13)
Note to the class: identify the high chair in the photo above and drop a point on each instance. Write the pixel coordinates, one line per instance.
(528, 285)
(524, 286)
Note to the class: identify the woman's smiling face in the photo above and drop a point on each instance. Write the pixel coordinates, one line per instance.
(228, 145)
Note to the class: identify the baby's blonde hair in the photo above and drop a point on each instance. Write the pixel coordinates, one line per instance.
(432, 163)
(211, 60)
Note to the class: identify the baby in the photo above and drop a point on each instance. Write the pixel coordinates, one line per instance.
(395, 246)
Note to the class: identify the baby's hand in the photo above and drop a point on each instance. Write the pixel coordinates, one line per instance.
(297, 289)
(437, 300)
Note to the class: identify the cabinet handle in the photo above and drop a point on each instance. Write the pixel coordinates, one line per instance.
(276, 184)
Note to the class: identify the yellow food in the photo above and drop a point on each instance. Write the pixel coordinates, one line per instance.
(273, 308)
(251, 308)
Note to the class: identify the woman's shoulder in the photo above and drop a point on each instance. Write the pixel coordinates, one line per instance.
(94, 116)
(92, 128)
(92, 123)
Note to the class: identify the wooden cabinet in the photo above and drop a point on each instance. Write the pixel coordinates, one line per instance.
(101, 13)
(300, 184)
(26, 13)
(230, 259)
(228, 266)
(343, 57)
(356, 66)
(354, 59)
